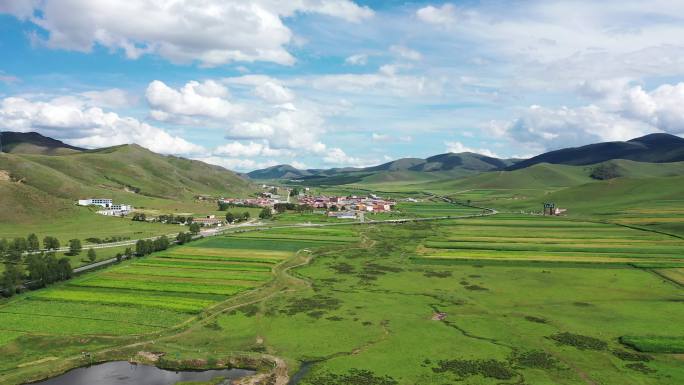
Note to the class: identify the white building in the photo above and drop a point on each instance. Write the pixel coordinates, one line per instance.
(110, 208)
(106, 203)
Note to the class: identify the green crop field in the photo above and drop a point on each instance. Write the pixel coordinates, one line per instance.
(536, 238)
(147, 295)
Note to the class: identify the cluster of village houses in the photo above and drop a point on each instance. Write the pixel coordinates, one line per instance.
(347, 207)
(334, 206)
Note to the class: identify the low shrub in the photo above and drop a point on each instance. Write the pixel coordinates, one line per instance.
(579, 341)
(437, 274)
(640, 367)
(311, 305)
(534, 359)
(353, 377)
(486, 368)
(538, 320)
(626, 355)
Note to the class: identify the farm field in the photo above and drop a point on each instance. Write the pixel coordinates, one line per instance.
(540, 239)
(377, 313)
(146, 295)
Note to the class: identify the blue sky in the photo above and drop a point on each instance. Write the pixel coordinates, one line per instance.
(328, 83)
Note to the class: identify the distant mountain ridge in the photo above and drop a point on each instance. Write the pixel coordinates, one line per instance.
(465, 161)
(34, 143)
(652, 148)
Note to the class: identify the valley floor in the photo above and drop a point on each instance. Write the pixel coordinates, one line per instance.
(507, 299)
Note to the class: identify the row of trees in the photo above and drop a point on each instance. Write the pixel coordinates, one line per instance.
(282, 207)
(148, 246)
(164, 218)
(234, 218)
(29, 244)
(175, 220)
(41, 269)
(266, 213)
(182, 237)
(45, 268)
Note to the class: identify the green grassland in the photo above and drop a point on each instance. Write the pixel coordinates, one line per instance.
(86, 224)
(367, 314)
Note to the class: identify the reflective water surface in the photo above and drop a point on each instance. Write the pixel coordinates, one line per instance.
(124, 373)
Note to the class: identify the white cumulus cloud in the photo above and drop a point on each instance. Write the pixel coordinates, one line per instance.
(405, 52)
(337, 157)
(211, 32)
(248, 149)
(79, 123)
(620, 112)
(194, 99)
(359, 59)
(112, 98)
(240, 164)
(457, 147)
(444, 15)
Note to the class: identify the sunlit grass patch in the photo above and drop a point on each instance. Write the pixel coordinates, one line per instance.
(161, 286)
(185, 303)
(655, 344)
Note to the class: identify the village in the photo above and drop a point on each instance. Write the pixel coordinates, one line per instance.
(342, 207)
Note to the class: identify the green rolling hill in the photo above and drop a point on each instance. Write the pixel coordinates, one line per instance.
(48, 185)
(654, 148)
(449, 165)
(551, 176)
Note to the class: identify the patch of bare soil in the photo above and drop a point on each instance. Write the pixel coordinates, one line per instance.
(147, 357)
(277, 376)
(440, 316)
(4, 176)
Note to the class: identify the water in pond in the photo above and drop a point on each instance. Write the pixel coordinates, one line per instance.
(124, 373)
(302, 372)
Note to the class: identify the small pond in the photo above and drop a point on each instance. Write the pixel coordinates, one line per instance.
(125, 373)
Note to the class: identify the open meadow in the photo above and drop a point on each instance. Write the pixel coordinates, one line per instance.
(384, 312)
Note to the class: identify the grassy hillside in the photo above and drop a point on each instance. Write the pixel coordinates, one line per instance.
(655, 203)
(412, 170)
(656, 148)
(38, 191)
(645, 195)
(122, 171)
(281, 171)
